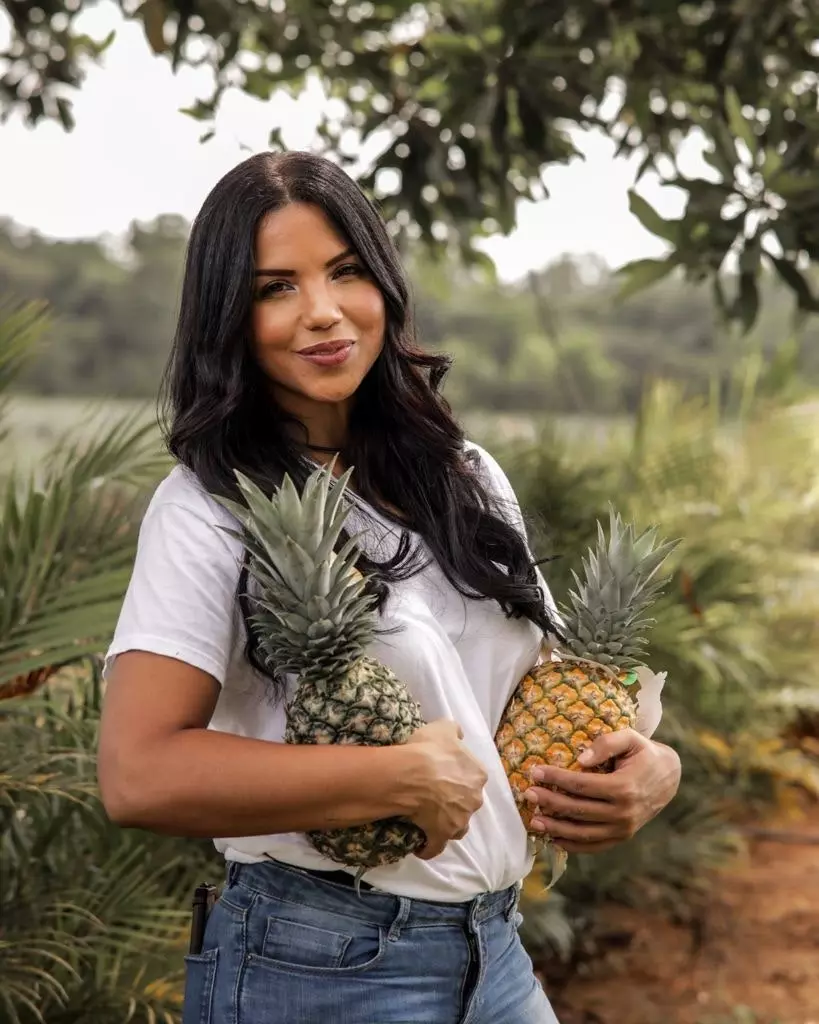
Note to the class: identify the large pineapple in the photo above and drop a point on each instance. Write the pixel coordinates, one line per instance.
(313, 618)
(560, 706)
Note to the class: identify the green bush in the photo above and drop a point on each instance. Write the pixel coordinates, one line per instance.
(737, 629)
(94, 917)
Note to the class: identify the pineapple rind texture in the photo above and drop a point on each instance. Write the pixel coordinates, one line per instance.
(370, 707)
(556, 712)
(313, 619)
(560, 707)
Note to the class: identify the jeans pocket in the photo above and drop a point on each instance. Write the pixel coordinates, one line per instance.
(299, 939)
(200, 981)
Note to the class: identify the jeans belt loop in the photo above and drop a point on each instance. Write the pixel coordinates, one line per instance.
(404, 907)
(514, 901)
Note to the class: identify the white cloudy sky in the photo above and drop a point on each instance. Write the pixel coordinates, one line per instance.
(133, 156)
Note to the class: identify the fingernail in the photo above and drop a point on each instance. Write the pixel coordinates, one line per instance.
(537, 825)
(530, 796)
(586, 756)
(537, 774)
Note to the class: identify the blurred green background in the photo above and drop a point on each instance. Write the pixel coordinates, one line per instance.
(683, 388)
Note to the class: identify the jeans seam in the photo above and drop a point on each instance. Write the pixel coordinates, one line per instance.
(240, 973)
(463, 1009)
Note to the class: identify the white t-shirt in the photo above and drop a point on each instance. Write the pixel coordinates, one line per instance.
(460, 658)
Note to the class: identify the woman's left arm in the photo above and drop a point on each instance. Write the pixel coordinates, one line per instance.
(589, 812)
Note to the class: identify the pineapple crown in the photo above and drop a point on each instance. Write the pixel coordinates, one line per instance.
(605, 618)
(312, 615)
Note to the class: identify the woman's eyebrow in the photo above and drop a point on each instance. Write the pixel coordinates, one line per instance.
(292, 273)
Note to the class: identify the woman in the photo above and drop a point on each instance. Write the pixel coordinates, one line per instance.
(295, 345)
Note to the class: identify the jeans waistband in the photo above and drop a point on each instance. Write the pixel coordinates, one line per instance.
(293, 884)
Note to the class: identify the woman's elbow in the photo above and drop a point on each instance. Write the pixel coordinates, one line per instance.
(123, 793)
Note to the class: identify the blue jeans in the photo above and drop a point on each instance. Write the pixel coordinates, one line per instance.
(285, 947)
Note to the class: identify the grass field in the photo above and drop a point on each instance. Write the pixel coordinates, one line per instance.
(35, 424)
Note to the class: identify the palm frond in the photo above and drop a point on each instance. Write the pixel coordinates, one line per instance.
(67, 541)
(22, 325)
(95, 918)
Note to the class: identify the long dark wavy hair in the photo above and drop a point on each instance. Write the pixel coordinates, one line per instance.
(218, 413)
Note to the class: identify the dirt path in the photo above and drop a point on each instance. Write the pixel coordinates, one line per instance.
(758, 948)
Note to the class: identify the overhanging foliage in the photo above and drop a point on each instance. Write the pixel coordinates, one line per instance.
(475, 98)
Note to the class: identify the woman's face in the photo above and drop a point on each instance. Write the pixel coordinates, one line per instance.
(318, 318)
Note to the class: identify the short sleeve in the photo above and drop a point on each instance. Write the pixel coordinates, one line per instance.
(181, 599)
(506, 504)
(498, 488)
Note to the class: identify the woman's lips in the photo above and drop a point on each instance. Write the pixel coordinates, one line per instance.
(333, 353)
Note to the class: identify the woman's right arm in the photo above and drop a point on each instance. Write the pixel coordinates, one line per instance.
(161, 769)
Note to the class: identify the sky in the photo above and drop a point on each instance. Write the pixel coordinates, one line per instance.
(133, 156)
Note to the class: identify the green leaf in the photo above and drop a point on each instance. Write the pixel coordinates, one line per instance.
(806, 301)
(746, 307)
(725, 152)
(640, 274)
(737, 121)
(153, 14)
(790, 185)
(199, 111)
(651, 220)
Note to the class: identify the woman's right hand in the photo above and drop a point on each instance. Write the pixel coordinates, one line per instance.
(450, 783)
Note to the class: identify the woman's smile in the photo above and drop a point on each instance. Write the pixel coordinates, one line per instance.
(328, 353)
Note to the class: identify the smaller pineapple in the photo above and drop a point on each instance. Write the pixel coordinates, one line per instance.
(314, 619)
(561, 706)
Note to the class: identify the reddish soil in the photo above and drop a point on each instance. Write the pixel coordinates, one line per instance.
(756, 946)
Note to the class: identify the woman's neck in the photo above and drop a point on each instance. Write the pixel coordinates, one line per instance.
(321, 427)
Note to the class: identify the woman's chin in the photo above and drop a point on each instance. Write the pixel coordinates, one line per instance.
(328, 392)
(338, 394)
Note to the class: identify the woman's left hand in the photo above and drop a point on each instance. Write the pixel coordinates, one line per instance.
(589, 811)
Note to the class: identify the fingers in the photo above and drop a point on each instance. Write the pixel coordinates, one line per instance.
(611, 744)
(593, 785)
(430, 850)
(550, 802)
(435, 847)
(449, 725)
(570, 847)
(580, 832)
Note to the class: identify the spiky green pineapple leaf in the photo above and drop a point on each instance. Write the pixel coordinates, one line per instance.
(311, 615)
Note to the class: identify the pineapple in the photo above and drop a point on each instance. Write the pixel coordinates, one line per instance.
(560, 706)
(314, 620)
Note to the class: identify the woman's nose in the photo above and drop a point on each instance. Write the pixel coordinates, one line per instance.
(321, 309)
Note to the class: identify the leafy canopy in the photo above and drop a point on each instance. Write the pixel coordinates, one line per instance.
(473, 99)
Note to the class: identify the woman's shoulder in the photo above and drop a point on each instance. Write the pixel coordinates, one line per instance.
(181, 488)
(489, 469)
(495, 482)
(181, 504)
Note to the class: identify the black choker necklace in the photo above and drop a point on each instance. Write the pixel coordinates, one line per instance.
(322, 448)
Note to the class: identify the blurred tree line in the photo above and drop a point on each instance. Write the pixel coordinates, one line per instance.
(469, 101)
(555, 341)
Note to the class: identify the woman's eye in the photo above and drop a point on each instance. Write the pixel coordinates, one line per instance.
(349, 269)
(273, 288)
